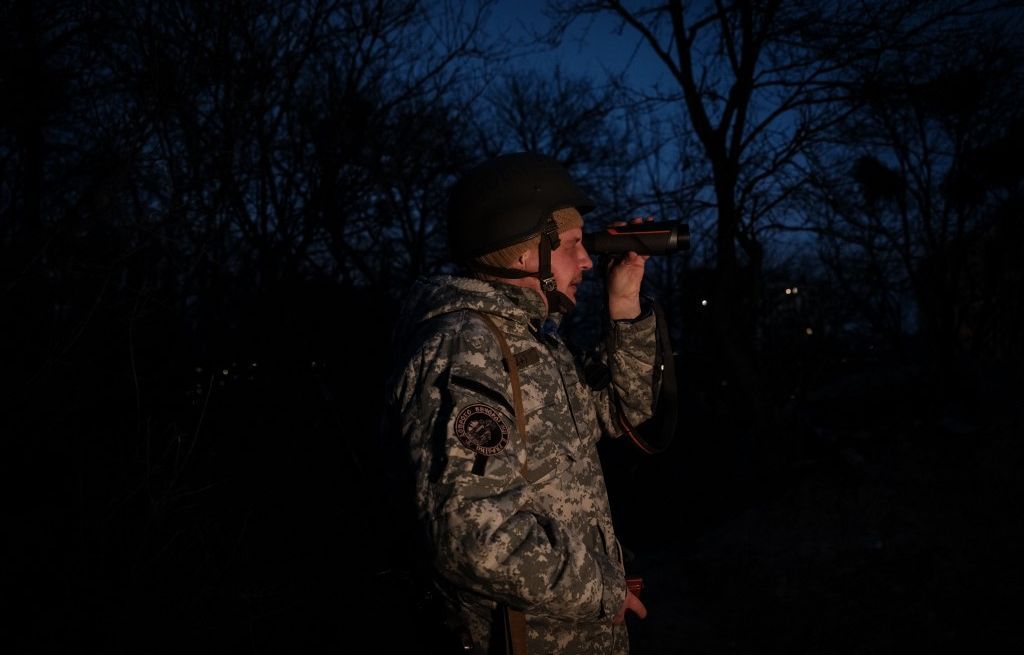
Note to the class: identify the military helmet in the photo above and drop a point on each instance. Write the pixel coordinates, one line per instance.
(507, 200)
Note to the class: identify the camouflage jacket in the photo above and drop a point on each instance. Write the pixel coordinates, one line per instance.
(540, 541)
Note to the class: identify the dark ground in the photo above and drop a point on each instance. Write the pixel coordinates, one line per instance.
(916, 548)
(894, 531)
(879, 518)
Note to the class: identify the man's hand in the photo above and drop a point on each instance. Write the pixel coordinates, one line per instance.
(624, 278)
(633, 604)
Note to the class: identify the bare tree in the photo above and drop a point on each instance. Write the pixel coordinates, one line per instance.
(393, 134)
(762, 86)
(174, 176)
(905, 189)
(307, 133)
(753, 90)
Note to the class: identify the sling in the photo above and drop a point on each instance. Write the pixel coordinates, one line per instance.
(514, 620)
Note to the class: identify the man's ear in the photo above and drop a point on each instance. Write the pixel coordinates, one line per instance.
(524, 259)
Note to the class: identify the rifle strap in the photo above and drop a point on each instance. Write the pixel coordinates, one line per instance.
(515, 620)
(513, 374)
(515, 631)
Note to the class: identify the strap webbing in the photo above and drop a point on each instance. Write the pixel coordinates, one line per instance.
(515, 620)
(513, 374)
(515, 632)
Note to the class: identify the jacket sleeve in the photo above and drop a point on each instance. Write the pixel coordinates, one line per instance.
(482, 527)
(630, 352)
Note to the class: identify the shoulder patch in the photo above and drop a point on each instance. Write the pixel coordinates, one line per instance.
(482, 429)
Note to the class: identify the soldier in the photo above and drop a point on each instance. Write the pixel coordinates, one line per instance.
(497, 426)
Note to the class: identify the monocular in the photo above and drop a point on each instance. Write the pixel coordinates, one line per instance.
(651, 238)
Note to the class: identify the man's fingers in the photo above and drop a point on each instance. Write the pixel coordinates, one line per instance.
(635, 605)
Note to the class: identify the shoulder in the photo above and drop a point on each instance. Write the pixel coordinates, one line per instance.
(459, 350)
(466, 334)
(457, 337)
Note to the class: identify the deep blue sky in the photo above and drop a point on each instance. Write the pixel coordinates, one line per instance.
(590, 47)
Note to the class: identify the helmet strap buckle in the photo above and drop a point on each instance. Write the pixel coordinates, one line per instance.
(550, 233)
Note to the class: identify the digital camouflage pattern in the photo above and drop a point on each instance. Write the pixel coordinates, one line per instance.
(543, 543)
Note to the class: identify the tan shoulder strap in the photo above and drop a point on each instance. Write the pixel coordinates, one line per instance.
(515, 620)
(515, 632)
(513, 374)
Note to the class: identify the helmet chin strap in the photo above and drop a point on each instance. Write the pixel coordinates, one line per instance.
(557, 301)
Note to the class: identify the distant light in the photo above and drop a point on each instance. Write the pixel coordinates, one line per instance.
(809, 331)
(253, 364)
(199, 369)
(224, 371)
(795, 290)
(704, 303)
(788, 291)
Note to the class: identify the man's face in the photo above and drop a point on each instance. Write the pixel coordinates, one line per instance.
(568, 262)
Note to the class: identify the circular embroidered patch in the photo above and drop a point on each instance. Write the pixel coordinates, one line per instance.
(482, 429)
